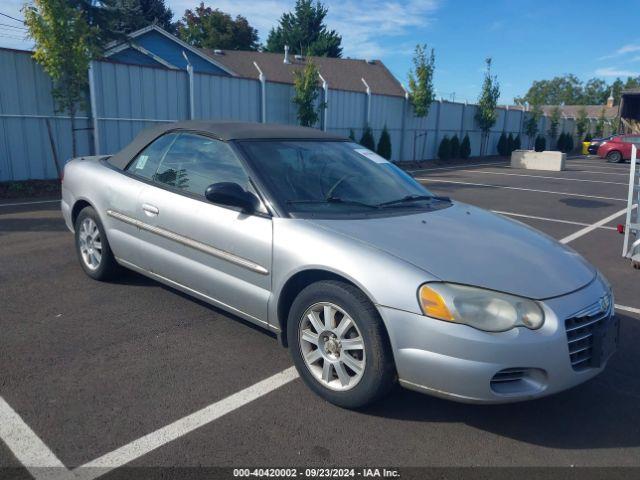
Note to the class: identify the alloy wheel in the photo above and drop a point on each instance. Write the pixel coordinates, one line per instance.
(332, 346)
(90, 243)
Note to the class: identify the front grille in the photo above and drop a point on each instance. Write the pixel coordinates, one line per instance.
(580, 328)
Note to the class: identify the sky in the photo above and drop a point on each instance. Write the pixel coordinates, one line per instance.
(527, 39)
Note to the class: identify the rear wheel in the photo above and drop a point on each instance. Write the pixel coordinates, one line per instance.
(339, 345)
(92, 246)
(614, 157)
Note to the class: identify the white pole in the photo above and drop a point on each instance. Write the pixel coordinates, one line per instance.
(192, 105)
(632, 187)
(325, 88)
(263, 94)
(368, 116)
(94, 108)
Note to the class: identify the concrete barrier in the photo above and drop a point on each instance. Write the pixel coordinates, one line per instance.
(532, 160)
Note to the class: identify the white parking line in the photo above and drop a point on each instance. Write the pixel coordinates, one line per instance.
(590, 228)
(599, 164)
(598, 172)
(181, 427)
(455, 167)
(28, 203)
(628, 309)
(556, 220)
(37, 458)
(599, 167)
(520, 188)
(545, 177)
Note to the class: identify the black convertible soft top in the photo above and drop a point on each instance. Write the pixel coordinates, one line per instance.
(223, 131)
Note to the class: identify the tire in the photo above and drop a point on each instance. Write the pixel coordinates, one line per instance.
(92, 246)
(370, 369)
(614, 157)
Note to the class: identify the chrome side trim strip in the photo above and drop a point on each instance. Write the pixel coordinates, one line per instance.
(189, 242)
(197, 294)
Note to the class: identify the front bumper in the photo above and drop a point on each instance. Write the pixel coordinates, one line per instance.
(459, 362)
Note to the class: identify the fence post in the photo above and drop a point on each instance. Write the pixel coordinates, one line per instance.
(464, 111)
(504, 123)
(520, 132)
(263, 94)
(192, 104)
(325, 100)
(367, 107)
(437, 134)
(94, 108)
(403, 123)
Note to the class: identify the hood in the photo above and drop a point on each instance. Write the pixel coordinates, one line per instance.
(468, 245)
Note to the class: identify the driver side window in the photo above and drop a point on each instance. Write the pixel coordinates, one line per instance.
(193, 162)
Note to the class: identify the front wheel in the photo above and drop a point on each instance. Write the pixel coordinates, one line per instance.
(93, 247)
(614, 157)
(339, 345)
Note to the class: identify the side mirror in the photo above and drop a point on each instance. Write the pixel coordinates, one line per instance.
(233, 195)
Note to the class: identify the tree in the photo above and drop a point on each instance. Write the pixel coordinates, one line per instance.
(130, 15)
(205, 27)
(554, 122)
(307, 91)
(502, 145)
(569, 90)
(384, 144)
(561, 143)
(566, 89)
(465, 147)
(595, 92)
(444, 151)
(510, 144)
(582, 122)
(64, 45)
(541, 144)
(569, 143)
(486, 115)
(421, 93)
(455, 147)
(367, 139)
(517, 143)
(531, 124)
(352, 134)
(600, 124)
(305, 32)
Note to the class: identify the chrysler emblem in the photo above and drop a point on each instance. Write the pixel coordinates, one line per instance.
(605, 303)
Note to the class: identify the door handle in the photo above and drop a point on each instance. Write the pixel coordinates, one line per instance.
(150, 210)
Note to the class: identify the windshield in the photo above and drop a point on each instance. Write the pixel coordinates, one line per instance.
(333, 177)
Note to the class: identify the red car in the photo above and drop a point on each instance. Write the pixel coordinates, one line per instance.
(617, 149)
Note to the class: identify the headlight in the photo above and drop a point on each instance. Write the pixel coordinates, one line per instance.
(482, 309)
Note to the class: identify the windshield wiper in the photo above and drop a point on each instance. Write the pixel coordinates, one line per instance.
(409, 198)
(332, 200)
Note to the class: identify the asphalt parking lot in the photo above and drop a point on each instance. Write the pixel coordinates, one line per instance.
(133, 373)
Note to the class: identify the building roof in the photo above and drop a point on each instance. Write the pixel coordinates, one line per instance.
(114, 48)
(221, 130)
(340, 73)
(572, 111)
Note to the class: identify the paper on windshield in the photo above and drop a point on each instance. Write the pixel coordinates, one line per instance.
(373, 156)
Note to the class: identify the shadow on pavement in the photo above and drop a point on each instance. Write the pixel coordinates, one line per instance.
(601, 413)
(585, 203)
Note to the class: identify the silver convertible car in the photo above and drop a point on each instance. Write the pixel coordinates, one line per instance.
(365, 275)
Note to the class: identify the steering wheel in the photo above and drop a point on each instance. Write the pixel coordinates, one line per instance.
(337, 184)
